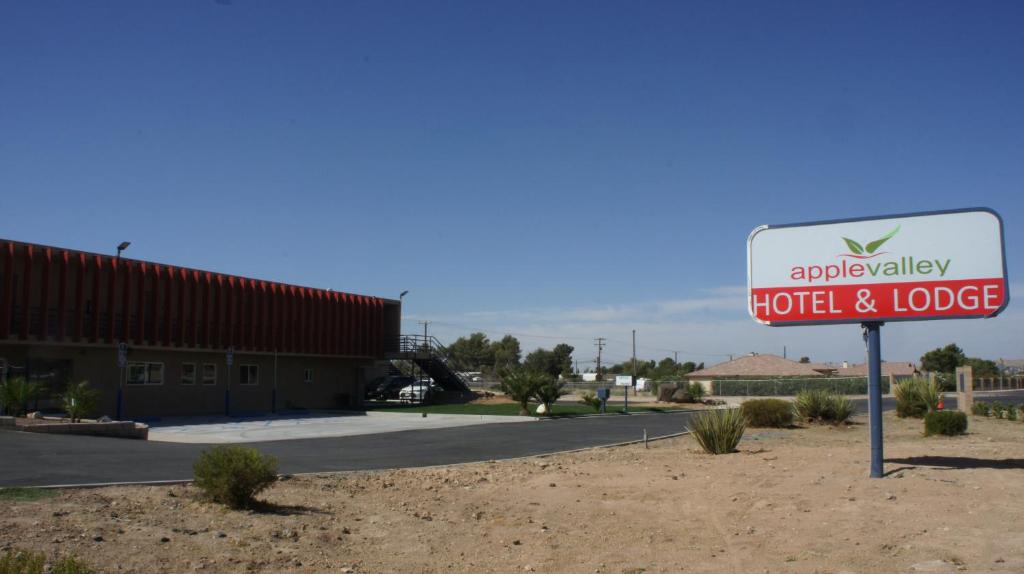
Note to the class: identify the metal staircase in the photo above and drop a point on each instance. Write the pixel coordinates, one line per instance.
(431, 357)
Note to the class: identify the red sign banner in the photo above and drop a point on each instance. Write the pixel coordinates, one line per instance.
(941, 265)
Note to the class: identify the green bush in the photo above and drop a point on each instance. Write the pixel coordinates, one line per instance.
(981, 409)
(696, 391)
(79, 400)
(718, 431)
(915, 397)
(823, 407)
(998, 410)
(234, 475)
(591, 400)
(949, 423)
(16, 395)
(25, 562)
(1011, 413)
(768, 413)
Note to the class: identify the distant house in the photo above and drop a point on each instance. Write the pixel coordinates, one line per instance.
(753, 366)
(1010, 367)
(896, 370)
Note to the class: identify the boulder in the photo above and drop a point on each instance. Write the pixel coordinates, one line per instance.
(681, 396)
(104, 419)
(34, 415)
(542, 410)
(665, 392)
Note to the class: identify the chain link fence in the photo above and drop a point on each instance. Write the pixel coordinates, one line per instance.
(790, 387)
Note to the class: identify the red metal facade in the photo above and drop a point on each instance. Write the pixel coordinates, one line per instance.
(59, 295)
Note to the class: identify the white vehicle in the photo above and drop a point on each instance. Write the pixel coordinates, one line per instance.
(418, 392)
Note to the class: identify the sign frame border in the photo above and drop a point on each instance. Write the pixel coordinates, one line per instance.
(760, 228)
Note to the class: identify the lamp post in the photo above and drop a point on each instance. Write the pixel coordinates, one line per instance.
(121, 247)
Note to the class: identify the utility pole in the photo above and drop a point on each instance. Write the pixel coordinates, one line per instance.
(600, 345)
(634, 365)
(675, 354)
(424, 323)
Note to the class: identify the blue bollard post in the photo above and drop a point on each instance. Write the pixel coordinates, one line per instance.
(227, 402)
(873, 336)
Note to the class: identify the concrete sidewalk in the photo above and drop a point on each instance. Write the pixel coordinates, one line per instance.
(227, 431)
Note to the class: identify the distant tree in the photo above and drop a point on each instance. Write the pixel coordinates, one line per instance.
(557, 361)
(507, 353)
(805, 360)
(699, 367)
(473, 353)
(563, 358)
(981, 367)
(943, 360)
(690, 366)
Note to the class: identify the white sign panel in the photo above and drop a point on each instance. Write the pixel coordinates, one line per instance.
(941, 265)
(623, 380)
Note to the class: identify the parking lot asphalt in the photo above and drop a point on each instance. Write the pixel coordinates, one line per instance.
(30, 459)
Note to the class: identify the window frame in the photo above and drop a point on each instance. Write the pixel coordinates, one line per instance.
(195, 372)
(307, 376)
(145, 365)
(249, 368)
(209, 382)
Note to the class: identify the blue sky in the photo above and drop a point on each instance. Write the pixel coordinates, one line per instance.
(558, 170)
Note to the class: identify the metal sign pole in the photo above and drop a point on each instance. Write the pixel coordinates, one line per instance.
(872, 334)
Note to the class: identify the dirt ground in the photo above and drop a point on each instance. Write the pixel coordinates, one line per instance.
(795, 500)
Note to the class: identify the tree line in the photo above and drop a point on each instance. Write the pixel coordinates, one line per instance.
(477, 353)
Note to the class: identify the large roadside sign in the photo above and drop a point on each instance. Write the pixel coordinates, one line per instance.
(912, 267)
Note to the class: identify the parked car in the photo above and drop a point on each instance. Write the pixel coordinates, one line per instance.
(385, 388)
(419, 392)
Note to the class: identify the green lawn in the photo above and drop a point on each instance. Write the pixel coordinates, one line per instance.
(512, 410)
(23, 494)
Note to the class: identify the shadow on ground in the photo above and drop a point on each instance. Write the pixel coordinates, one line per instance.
(958, 462)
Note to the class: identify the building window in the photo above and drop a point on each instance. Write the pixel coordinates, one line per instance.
(249, 374)
(209, 373)
(188, 373)
(307, 377)
(145, 374)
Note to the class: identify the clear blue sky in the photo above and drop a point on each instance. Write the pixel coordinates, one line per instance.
(563, 169)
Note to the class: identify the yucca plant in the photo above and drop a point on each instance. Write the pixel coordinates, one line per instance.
(915, 397)
(837, 409)
(718, 431)
(79, 400)
(810, 404)
(17, 393)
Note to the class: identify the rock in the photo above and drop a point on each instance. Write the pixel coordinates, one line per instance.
(104, 419)
(348, 570)
(665, 392)
(97, 538)
(164, 539)
(542, 410)
(681, 396)
(34, 415)
(221, 535)
(890, 496)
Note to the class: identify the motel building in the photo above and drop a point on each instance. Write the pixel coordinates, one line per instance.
(178, 341)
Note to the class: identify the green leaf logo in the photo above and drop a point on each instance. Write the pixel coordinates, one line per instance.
(854, 246)
(874, 245)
